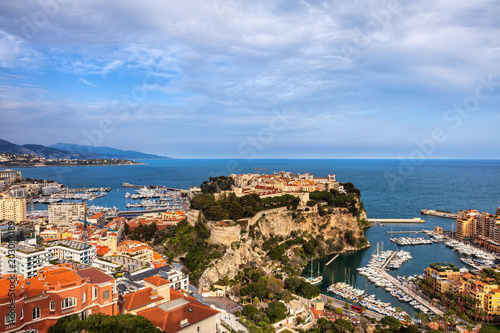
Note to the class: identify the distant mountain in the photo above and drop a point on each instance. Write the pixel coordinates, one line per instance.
(9, 147)
(107, 152)
(72, 151)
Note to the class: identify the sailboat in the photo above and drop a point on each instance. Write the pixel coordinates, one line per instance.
(315, 280)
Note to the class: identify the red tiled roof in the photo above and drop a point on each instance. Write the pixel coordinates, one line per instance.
(156, 280)
(95, 275)
(96, 216)
(169, 321)
(139, 298)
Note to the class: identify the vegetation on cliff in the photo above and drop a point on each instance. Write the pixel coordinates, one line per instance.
(181, 240)
(235, 208)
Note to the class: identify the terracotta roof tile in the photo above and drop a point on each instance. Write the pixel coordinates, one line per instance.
(139, 298)
(95, 275)
(169, 321)
(156, 281)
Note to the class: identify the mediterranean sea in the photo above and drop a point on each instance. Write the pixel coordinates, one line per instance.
(389, 189)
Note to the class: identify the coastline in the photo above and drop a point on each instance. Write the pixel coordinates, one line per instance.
(56, 166)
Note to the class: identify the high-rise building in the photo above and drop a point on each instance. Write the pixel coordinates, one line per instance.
(66, 214)
(13, 209)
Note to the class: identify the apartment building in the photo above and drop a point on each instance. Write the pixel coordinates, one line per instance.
(27, 259)
(55, 292)
(66, 214)
(169, 309)
(442, 277)
(73, 250)
(13, 209)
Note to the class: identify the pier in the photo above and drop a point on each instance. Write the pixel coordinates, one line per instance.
(439, 213)
(388, 260)
(413, 220)
(410, 292)
(331, 260)
(404, 232)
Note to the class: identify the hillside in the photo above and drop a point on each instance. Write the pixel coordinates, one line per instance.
(106, 152)
(72, 151)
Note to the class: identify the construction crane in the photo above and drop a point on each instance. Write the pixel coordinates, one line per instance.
(258, 169)
(85, 235)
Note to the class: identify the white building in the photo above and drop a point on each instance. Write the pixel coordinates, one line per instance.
(66, 214)
(11, 174)
(27, 259)
(73, 250)
(178, 279)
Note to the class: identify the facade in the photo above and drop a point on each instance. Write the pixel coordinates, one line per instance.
(13, 209)
(56, 292)
(442, 278)
(73, 250)
(66, 214)
(11, 174)
(483, 289)
(27, 261)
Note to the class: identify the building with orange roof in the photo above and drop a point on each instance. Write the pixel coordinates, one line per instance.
(182, 314)
(99, 218)
(139, 300)
(56, 292)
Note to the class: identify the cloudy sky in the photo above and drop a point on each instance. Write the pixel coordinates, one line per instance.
(254, 79)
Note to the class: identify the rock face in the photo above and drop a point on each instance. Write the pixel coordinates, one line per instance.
(279, 222)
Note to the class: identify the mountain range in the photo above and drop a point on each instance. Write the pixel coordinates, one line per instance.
(74, 151)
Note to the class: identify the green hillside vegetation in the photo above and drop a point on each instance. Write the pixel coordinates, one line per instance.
(235, 208)
(100, 323)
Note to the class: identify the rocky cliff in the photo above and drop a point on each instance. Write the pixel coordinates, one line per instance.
(278, 222)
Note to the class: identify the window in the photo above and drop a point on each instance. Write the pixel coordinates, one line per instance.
(105, 294)
(198, 329)
(83, 298)
(10, 318)
(68, 302)
(22, 313)
(95, 293)
(36, 312)
(52, 306)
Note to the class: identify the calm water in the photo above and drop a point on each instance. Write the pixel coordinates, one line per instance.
(389, 190)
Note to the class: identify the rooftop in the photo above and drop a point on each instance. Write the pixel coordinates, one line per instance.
(139, 299)
(168, 316)
(95, 275)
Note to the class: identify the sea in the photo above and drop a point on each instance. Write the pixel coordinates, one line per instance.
(389, 189)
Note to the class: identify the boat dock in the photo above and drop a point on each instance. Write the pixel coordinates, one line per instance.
(439, 213)
(388, 260)
(331, 260)
(411, 293)
(404, 232)
(413, 220)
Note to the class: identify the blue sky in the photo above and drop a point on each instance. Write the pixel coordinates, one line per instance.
(254, 79)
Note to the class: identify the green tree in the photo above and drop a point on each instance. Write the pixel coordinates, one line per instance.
(249, 310)
(392, 323)
(276, 311)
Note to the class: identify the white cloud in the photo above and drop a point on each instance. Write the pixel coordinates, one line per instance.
(84, 81)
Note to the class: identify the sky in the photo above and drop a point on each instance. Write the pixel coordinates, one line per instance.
(254, 79)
